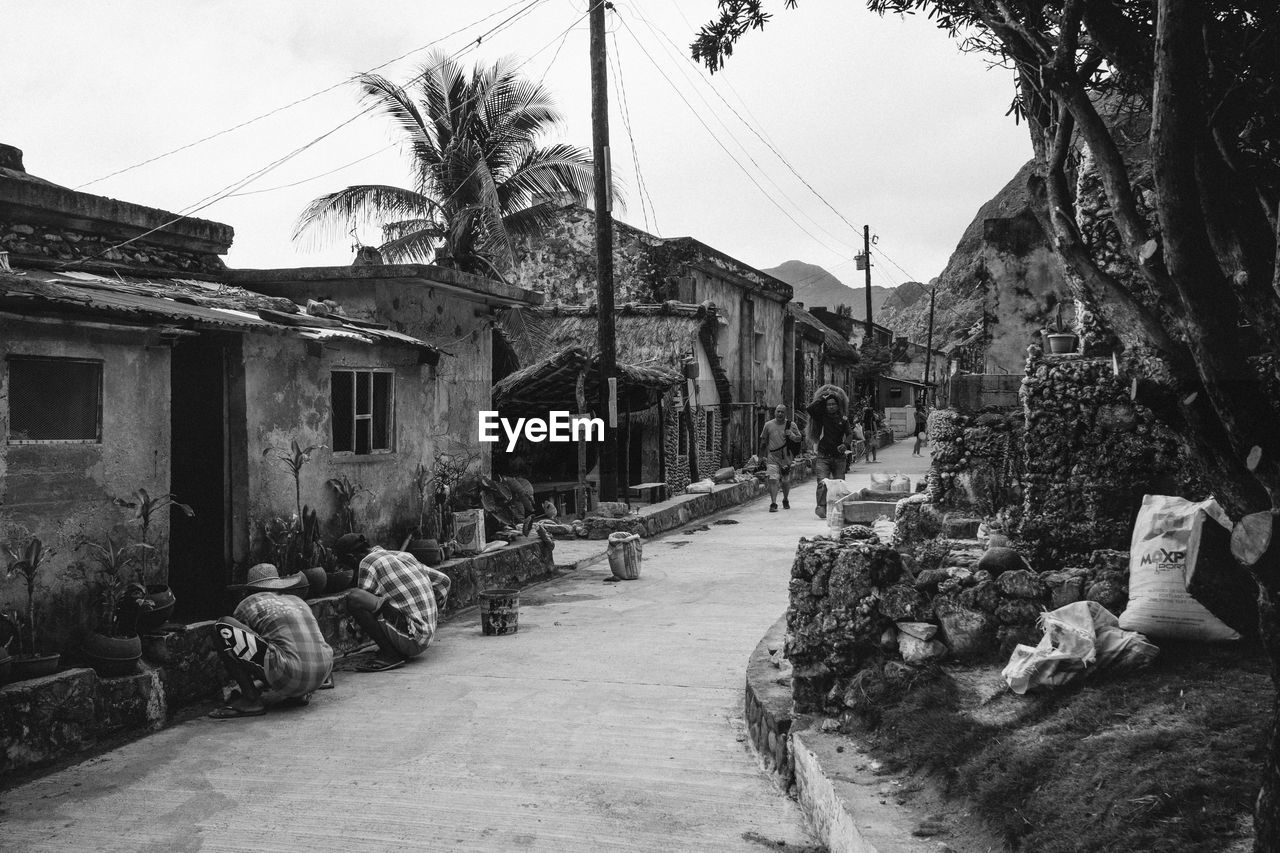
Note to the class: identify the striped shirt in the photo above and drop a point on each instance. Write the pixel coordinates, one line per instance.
(298, 659)
(407, 584)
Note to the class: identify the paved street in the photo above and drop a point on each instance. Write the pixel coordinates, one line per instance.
(611, 721)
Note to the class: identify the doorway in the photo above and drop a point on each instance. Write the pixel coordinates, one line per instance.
(199, 546)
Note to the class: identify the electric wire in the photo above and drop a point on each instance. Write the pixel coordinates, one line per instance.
(762, 136)
(847, 247)
(326, 90)
(313, 177)
(722, 146)
(625, 112)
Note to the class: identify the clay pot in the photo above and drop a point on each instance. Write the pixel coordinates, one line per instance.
(112, 657)
(1062, 343)
(34, 666)
(317, 579)
(150, 619)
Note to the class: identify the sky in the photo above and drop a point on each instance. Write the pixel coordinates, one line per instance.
(884, 118)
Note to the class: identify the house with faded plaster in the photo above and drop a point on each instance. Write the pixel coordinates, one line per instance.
(672, 390)
(133, 359)
(823, 356)
(752, 339)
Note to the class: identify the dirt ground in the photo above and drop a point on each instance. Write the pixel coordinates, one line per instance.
(1167, 759)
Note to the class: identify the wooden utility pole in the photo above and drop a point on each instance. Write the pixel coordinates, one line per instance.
(604, 249)
(928, 347)
(866, 265)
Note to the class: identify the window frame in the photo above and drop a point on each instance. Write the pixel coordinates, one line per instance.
(99, 402)
(392, 432)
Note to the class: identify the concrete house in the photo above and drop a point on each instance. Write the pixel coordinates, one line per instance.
(752, 337)
(134, 359)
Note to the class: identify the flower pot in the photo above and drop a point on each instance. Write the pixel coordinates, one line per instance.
(1061, 343)
(426, 551)
(112, 657)
(317, 580)
(34, 666)
(162, 601)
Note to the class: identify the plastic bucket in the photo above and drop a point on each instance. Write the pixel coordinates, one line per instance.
(499, 611)
(625, 554)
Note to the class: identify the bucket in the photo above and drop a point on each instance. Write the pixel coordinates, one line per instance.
(625, 554)
(499, 611)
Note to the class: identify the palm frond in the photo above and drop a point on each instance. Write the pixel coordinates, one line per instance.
(336, 213)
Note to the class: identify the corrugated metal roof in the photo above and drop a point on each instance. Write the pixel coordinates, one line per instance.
(175, 301)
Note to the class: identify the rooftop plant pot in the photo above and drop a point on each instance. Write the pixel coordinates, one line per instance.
(34, 666)
(150, 619)
(112, 657)
(1061, 343)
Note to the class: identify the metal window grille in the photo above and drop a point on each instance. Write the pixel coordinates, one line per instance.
(363, 411)
(54, 400)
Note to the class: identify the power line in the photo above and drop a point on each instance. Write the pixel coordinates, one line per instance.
(846, 247)
(313, 177)
(626, 122)
(716, 139)
(763, 138)
(322, 91)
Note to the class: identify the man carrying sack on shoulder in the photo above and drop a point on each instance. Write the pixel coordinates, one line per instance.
(830, 431)
(779, 443)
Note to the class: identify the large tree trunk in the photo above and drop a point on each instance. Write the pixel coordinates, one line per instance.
(1266, 812)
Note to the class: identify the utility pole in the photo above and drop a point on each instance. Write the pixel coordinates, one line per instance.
(928, 348)
(604, 251)
(866, 265)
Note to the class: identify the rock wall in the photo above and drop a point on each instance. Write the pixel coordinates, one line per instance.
(977, 459)
(1090, 454)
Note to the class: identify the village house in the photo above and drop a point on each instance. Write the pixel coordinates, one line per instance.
(823, 356)
(146, 365)
(750, 305)
(672, 386)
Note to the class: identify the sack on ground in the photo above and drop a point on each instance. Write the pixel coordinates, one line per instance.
(900, 483)
(700, 487)
(1162, 556)
(724, 475)
(881, 482)
(1079, 638)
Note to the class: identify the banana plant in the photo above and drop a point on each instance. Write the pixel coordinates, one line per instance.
(346, 492)
(295, 459)
(145, 508)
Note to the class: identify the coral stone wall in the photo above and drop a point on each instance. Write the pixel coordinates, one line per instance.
(1090, 454)
(58, 243)
(678, 474)
(977, 458)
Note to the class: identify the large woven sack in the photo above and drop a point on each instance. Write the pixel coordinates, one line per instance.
(1163, 553)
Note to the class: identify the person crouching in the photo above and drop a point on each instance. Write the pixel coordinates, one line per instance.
(396, 600)
(273, 639)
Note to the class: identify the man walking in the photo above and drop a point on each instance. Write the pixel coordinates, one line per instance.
(396, 600)
(830, 431)
(922, 423)
(871, 429)
(779, 442)
(272, 638)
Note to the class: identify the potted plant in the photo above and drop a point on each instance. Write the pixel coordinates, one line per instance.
(26, 556)
(346, 491)
(115, 647)
(156, 602)
(1061, 339)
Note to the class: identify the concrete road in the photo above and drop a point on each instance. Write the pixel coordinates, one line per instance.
(611, 721)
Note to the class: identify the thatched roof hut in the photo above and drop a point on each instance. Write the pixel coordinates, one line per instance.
(654, 342)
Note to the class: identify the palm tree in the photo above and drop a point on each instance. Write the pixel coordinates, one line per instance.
(480, 178)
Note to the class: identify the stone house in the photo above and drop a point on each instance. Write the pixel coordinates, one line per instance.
(144, 364)
(822, 357)
(751, 305)
(672, 388)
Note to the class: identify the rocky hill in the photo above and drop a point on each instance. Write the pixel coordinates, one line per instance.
(817, 288)
(998, 286)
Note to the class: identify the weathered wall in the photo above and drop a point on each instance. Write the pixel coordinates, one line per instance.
(288, 397)
(1091, 453)
(677, 464)
(63, 492)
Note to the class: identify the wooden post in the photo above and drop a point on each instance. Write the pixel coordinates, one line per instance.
(581, 393)
(604, 247)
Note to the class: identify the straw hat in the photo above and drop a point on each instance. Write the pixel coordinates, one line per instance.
(265, 577)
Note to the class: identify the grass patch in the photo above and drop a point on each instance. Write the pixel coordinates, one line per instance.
(1165, 759)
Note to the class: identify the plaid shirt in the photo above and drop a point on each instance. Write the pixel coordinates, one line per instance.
(298, 658)
(408, 584)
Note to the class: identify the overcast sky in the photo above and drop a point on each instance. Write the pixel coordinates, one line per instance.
(884, 117)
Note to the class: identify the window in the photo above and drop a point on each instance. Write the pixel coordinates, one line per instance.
(363, 411)
(54, 400)
(895, 391)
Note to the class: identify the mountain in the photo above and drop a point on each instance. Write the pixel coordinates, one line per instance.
(817, 288)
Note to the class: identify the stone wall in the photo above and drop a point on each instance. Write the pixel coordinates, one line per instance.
(55, 243)
(977, 459)
(677, 463)
(1090, 454)
(862, 618)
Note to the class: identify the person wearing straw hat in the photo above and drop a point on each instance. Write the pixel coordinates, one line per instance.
(272, 638)
(396, 601)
